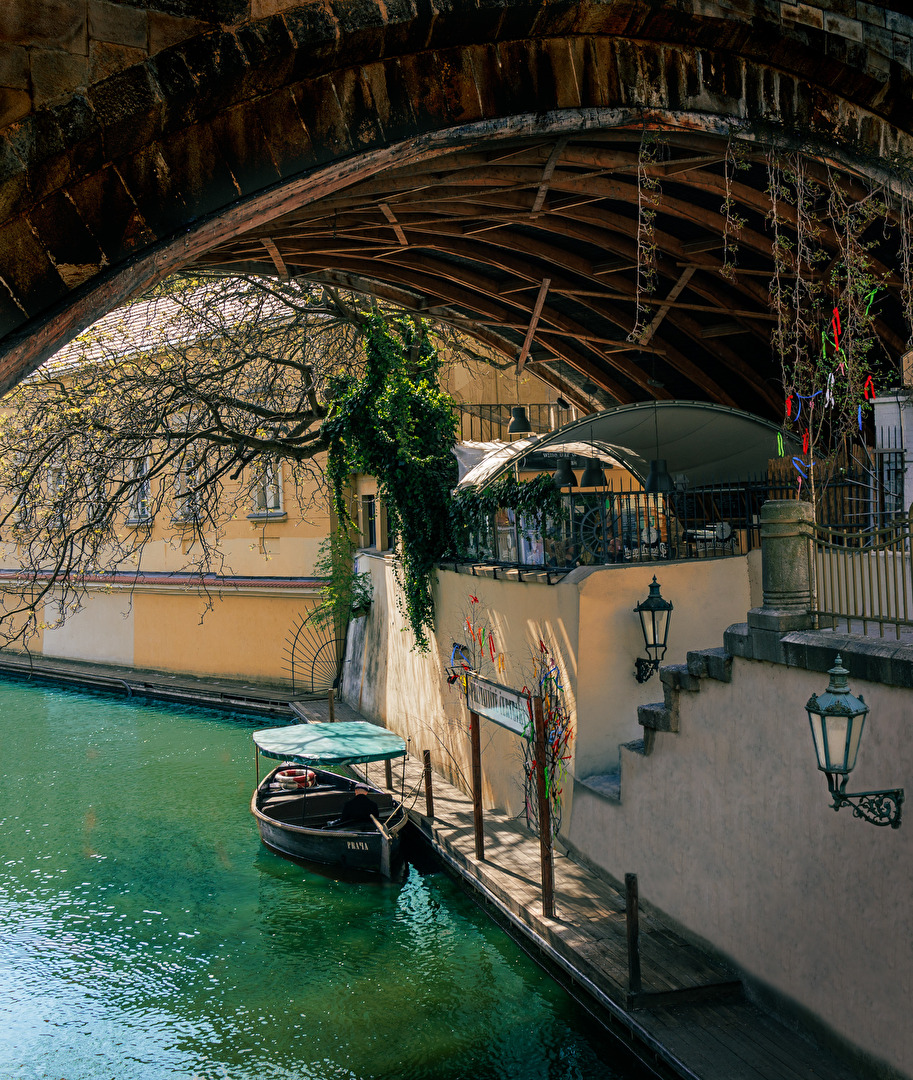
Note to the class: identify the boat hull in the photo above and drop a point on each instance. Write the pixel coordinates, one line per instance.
(359, 847)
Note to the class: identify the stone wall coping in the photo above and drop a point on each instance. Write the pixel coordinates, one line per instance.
(877, 660)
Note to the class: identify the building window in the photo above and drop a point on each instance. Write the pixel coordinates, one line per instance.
(267, 491)
(97, 498)
(186, 496)
(368, 521)
(141, 498)
(56, 492)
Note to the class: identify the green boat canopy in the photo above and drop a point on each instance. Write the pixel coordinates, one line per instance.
(345, 743)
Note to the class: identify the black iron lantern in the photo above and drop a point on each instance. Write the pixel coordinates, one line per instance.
(655, 615)
(519, 421)
(837, 720)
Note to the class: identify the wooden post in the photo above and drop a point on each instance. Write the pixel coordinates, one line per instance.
(633, 928)
(429, 793)
(330, 702)
(475, 742)
(545, 817)
(388, 774)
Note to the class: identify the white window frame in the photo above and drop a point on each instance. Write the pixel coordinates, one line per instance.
(266, 491)
(141, 495)
(186, 503)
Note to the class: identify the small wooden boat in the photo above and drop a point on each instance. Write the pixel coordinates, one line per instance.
(306, 812)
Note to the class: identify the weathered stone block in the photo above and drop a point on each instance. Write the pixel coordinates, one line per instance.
(110, 214)
(25, 267)
(804, 14)
(117, 24)
(129, 106)
(14, 104)
(677, 677)
(167, 30)
(873, 14)
(711, 664)
(60, 24)
(56, 74)
(14, 67)
(844, 27)
(285, 133)
(657, 717)
(106, 59)
(66, 239)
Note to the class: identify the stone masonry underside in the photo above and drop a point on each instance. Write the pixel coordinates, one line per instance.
(478, 165)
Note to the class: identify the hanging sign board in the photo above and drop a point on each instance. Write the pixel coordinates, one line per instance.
(504, 706)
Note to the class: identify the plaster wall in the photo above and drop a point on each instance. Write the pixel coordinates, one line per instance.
(243, 636)
(102, 631)
(387, 680)
(588, 624)
(728, 826)
(708, 595)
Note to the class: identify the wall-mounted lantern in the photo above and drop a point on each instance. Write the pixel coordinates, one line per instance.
(837, 718)
(655, 615)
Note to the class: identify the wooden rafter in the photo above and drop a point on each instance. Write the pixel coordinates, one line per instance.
(397, 228)
(666, 306)
(531, 329)
(273, 252)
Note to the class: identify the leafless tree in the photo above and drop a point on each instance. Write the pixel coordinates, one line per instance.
(177, 407)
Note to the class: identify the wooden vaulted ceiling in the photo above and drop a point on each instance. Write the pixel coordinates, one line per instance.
(531, 246)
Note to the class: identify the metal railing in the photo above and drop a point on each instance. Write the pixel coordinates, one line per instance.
(863, 578)
(484, 423)
(625, 524)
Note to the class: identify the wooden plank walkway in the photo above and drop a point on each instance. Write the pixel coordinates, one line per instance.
(713, 1040)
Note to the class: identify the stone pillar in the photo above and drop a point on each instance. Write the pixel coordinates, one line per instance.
(786, 576)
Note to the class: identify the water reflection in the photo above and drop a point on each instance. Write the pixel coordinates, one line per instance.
(146, 933)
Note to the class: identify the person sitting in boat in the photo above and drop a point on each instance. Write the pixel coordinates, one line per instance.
(358, 809)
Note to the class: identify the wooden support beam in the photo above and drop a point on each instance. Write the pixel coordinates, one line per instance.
(273, 252)
(544, 814)
(550, 165)
(674, 292)
(475, 745)
(613, 266)
(723, 330)
(533, 322)
(397, 228)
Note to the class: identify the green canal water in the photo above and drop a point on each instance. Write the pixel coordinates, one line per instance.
(146, 933)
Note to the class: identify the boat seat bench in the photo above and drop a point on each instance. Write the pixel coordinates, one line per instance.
(325, 804)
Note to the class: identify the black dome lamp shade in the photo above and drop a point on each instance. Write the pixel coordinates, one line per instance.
(519, 421)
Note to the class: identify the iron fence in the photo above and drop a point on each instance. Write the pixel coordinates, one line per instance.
(862, 578)
(484, 423)
(626, 524)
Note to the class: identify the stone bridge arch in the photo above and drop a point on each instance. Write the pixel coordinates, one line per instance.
(451, 156)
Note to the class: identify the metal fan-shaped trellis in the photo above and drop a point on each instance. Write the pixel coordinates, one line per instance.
(313, 655)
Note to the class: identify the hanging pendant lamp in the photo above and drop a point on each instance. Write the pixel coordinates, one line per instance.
(593, 475)
(519, 421)
(564, 474)
(659, 480)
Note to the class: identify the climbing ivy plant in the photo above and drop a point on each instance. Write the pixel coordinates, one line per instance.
(393, 422)
(534, 501)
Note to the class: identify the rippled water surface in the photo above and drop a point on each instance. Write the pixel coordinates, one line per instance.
(146, 933)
